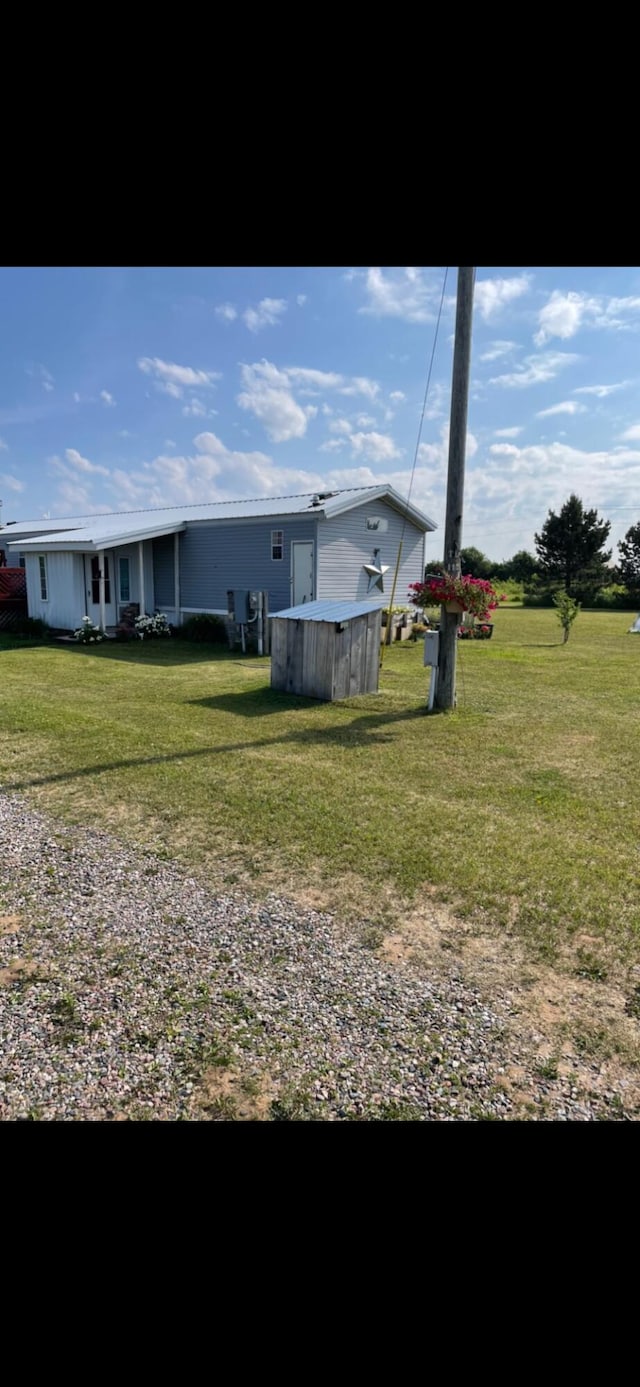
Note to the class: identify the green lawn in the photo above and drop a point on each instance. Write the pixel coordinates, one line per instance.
(521, 809)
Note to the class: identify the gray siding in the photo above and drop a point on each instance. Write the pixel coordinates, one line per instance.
(345, 544)
(214, 558)
(163, 571)
(66, 602)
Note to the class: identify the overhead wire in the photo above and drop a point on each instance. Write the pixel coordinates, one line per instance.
(413, 469)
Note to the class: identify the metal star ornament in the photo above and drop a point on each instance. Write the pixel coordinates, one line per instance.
(376, 571)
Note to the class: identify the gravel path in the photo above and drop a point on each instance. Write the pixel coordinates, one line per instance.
(129, 990)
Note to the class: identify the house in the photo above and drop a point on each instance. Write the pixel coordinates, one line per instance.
(184, 559)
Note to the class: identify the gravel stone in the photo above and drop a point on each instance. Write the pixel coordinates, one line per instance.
(127, 980)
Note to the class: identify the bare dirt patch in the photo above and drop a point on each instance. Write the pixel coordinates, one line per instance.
(10, 924)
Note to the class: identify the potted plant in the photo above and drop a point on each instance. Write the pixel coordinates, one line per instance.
(474, 595)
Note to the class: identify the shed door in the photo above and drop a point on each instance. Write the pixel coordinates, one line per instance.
(301, 571)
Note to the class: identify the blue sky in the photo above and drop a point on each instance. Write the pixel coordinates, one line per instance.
(123, 388)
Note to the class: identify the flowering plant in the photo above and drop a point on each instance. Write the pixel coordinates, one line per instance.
(88, 634)
(474, 633)
(475, 595)
(149, 626)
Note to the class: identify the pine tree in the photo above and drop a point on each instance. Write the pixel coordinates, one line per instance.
(629, 566)
(570, 548)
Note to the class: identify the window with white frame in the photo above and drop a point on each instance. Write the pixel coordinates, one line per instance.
(44, 591)
(277, 544)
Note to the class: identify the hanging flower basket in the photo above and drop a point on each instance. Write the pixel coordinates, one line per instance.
(474, 595)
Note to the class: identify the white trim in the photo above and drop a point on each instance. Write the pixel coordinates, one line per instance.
(176, 571)
(313, 567)
(273, 546)
(101, 591)
(207, 611)
(141, 577)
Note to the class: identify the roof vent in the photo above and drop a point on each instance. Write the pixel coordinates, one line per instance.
(322, 496)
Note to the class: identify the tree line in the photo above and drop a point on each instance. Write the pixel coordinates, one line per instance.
(570, 557)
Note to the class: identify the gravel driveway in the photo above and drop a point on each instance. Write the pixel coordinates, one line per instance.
(130, 990)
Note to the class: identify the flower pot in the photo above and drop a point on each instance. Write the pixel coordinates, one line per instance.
(453, 607)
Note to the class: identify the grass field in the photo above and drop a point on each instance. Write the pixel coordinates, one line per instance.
(521, 810)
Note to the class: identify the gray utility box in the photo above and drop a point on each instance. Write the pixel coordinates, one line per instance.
(431, 645)
(239, 606)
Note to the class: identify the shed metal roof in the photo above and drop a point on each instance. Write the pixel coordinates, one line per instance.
(327, 611)
(124, 527)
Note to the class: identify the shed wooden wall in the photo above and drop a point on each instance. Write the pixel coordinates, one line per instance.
(315, 659)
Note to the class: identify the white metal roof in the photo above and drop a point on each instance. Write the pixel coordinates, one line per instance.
(125, 527)
(327, 611)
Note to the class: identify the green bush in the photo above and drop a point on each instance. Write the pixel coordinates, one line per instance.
(205, 627)
(30, 626)
(614, 598)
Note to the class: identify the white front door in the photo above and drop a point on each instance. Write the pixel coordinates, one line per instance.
(301, 571)
(92, 579)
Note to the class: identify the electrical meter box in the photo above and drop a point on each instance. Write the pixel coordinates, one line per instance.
(239, 605)
(431, 643)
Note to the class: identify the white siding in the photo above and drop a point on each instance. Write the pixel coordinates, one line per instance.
(345, 544)
(65, 605)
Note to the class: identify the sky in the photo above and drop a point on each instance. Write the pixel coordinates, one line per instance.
(123, 388)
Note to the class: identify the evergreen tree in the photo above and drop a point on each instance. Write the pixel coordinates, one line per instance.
(629, 565)
(570, 547)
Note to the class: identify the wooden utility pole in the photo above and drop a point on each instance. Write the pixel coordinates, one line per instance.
(449, 621)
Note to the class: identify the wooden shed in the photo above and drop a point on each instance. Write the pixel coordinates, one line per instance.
(326, 650)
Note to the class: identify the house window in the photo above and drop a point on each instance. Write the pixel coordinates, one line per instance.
(277, 544)
(21, 561)
(125, 591)
(95, 580)
(44, 591)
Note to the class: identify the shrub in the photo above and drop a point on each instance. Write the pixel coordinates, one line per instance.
(205, 627)
(567, 611)
(148, 627)
(88, 634)
(30, 626)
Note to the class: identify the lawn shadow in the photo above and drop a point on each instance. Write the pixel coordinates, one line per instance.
(367, 730)
(258, 702)
(153, 653)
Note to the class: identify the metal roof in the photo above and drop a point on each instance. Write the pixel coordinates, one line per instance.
(328, 611)
(124, 527)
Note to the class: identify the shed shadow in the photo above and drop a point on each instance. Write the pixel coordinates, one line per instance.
(258, 702)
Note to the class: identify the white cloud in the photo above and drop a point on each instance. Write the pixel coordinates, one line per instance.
(406, 294)
(10, 482)
(492, 295)
(365, 421)
(267, 314)
(124, 433)
(226, 312)
(76, 397)
(326, 409)
(318, 380)
(565, 407)
(375, 447)
(196, 410)
(169, 443)
(75, 459)
(536, 369)
(341, 426)
(270, 393)
(632, 433)
(107, 398)
(398, 397)
(301, 299)
(508, 433)
(361, 385)
(3, 446)
(601, 391)
(332, 445)
(268, 396)
(172, 379)
(497, 349)
(565, 313)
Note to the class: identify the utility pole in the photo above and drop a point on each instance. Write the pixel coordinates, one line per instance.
(449, 621)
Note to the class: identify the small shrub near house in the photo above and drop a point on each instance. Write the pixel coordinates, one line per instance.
(32, 626)
(152, 627)
(87, 633)
(203, 627)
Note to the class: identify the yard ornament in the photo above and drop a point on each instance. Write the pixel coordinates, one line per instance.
(636, 626)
